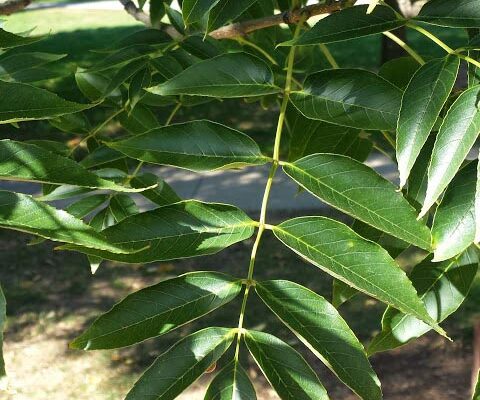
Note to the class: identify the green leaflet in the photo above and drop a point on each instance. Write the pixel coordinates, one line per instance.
(227, 76)
(231, 383)
(453, 227)
(9, 40)
(308, 136)
(418, 178)
(362, 264)
(22, 102)
(122, 56)
(225, 11)
(285, 369)
(139, 120)
(25, 214)
(458, 14)
(28, 162)
(349, 97)
(442, 287)
(399, 71)
(341, 292)
(12, 65)
(158, 309)
(161, 195)
(101, 155)
(390, 243)
(195, 10)
(185, 229)
(86, 205)
(422, 102)
(125, 73)
(357, 190)
(456, 137)
(321, 328)
(150, 36)
(350, 23)
(3, 319)
(196, 145)
(140, 80)
(94, 86)
(182, 364)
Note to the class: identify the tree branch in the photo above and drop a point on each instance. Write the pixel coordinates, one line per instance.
(243, 28)
(287, 17)
(12, 6)
(135, 12)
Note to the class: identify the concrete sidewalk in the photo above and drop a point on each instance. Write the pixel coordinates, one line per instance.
(243, 188)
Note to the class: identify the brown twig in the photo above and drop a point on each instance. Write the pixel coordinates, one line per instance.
(12, 6)
(243, 28)
(287, 17)
(136, 12)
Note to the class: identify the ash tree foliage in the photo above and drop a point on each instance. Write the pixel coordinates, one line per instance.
(328, 119)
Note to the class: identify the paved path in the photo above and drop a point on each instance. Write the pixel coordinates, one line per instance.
(243, 188)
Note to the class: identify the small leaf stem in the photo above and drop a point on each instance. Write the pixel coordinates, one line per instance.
(328, 55)
(268, 186)
(443, 45)
(246, 42)
(405, 47)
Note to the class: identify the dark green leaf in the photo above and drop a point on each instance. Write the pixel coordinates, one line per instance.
(362, 264)
(197, 146)
(86, 205)
(195, 10)
(422, 103)
(122, 56)
(359, 191)
(442, 287)
(390, 243)
(182, 364)
(122, 206)
(453, 227)
(22, 102)
(226, 11)
(25, 214)
(341, 292)
(231, 383)
(285, 369)
(94, 85)
(227, 76)
(418, 179)
(351, 23)
(16, 63)
(158, 309)
(136, 90)
(27, 162)
(457, 14)
(139, 120)
(124, 74)
(349, 97)
(101, 155)
(149, 36)
(9, 40)
(308, 136)
(185, 229)
(456, 137)
(161, 195)
(321, 328)
(399, 71)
